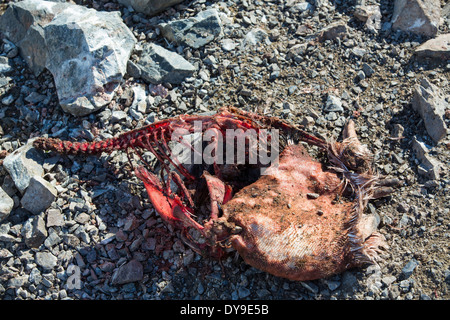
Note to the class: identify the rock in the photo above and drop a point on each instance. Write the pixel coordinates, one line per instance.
(38, 196)
(429, 167)
(300, 7)
(46, 260)
(5, 66)
(417, 16)
(129, 272)
(437, 48)
(159, 65)
(388, 280)
(333, 31)
(82, 218)
(52, 240)
(139, 104)
(409, 268)
(254, 37)
(194, 32)
(371, 15)
(333, 104)
(297, 50)
(6, 204)
(34, 232)
(23, 164)
(150, 7)
(430, 104)
(55, 218)
(368, 70)
(118, 116)
(85, 50)
(228, 45)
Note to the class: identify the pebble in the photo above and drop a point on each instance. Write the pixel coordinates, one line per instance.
(129, 272)
(333, 104)
(408, 269)
(34, 231)
(46, 260)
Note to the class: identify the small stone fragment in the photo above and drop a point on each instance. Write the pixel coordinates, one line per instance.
(129, 272)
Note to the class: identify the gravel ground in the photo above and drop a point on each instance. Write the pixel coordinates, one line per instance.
(100, 219)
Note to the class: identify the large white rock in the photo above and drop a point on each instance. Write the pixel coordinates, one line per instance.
(417, 16)
(430, 103)
(85, 50)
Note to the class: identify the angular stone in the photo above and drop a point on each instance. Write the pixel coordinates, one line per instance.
(333, 104)
(417, 16)
(129, 272)
(429, 167)
(6, 204)
(150, 7)
(38, 196)
(408, 269)
(46, 260)
(34, 232)
(82, 218)
(371, 15)
(55, 218)
(194, 32)
(23, 164)
(437, 48)
(254, 37)
(333, 31)
(160, 65)
(85, 50)
(429, 102)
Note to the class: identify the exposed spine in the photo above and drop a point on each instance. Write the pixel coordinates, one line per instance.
(67, 147)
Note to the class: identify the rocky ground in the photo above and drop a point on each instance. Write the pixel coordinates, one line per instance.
(272, 56)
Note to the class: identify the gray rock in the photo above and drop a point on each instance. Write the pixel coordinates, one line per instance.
(53, 239)
(46, 260)
(118, 115)
(160, 65)
(228, 45)
(300, 7)
(194, 32)
(429, 167)
(417, 16)
(388, 280)
(368, 70)
(17, 282)
(34, 232)
(38, 196)
(23, 164)
(429, 102)
(5, 66)
(409, 268)
(437, 48)
(243, 292)
(150, 7)
(129, 272)
(6, 204)
(55, 218)
(86, 51)
(333, 104)
(254, 37)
